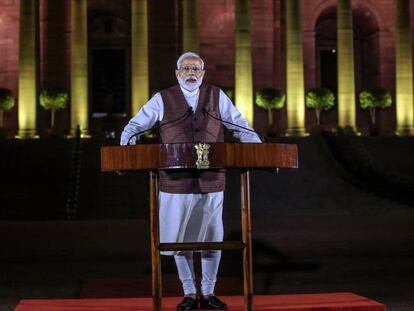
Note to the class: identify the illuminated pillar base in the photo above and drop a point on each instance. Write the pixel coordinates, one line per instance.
(84, 134)
(27, 134)
(405, 131)
(297, 131)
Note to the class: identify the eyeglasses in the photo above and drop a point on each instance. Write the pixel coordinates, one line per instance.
(187, 69)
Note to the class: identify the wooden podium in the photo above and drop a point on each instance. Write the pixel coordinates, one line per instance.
(243, 156)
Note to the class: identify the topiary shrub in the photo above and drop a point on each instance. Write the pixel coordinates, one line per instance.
(6, 103)
(53, 100)
(270, 99)
(375, 98)
(320, 99)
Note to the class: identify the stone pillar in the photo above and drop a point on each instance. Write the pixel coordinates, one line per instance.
(386, 49)
(139, 57)
(79, 68)
(309, 46)
(346, 72)
(278, 44)
(243, 70)
(28, 68)
(404, 69)
(190, 26)
(295, 84)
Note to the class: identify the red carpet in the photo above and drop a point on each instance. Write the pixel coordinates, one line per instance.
(308, 302)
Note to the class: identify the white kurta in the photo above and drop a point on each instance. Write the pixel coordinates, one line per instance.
(153, 111)
(192, 217)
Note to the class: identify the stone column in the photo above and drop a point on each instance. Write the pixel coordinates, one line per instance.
(346, 72)
(386, 49)
(139, 57)
(278, 44)
(190, 26)
(309, 46)
(295, 85)
(28, 69)
(243, 70)
(404, 69)
(79, 68)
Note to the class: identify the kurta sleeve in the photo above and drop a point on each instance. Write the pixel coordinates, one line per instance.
(229, 113)
(146, 118)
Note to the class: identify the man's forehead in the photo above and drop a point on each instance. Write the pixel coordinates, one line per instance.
(191, 60)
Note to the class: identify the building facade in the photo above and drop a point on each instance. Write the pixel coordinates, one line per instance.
(112, 55)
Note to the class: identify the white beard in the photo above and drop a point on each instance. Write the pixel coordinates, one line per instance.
(190, 86)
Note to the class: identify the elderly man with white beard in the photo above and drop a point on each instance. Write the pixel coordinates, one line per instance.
(191, 203)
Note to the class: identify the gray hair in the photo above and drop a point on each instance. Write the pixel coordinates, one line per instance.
(189, 55)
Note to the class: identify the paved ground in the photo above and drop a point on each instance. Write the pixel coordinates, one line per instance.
(372, 256)
(313, 233)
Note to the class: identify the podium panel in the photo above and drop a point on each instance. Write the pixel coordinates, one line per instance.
(184, 156)
(191, 156)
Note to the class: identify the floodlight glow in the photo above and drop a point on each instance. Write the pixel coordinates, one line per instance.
(295, 85)
(404, 71)
(79, 68)
(139, 57)
(346, 74)
(190, 26)
(27, 71)
(243, 70)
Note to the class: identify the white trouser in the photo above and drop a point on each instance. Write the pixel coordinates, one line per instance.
(210, 261)
(193, 218)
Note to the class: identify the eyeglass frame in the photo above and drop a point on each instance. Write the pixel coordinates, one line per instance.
(188, 69)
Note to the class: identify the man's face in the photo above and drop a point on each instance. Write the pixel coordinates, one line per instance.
(190, 73)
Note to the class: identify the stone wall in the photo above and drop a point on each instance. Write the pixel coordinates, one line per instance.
(217, 47)
(9, 51)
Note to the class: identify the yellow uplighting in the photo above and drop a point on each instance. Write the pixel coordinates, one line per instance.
(243, 70)
(27, 71)
(190, 26)
(139, 50)
(295, 85)
(346, 75)
(79, 68)
(404, 71)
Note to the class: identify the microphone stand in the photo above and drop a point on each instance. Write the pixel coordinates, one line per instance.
(184, 116)
(205, 110)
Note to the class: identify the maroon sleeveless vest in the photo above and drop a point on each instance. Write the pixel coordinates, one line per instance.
(198, 127)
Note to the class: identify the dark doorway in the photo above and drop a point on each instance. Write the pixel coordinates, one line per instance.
(328, 70)
(109, 82)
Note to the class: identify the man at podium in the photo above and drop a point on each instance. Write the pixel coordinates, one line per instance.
(191, 203)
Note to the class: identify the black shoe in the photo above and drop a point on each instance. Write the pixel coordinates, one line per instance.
(187, 304)
(212, 303)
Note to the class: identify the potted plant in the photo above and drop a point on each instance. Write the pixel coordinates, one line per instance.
(320, 99)
(270, 99)
(372, 99)
(53, 100)
(6, 103)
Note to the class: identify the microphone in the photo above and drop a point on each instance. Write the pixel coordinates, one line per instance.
(184, 116)
(206, 111)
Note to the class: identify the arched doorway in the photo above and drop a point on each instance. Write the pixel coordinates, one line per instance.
(366, 55)
(109, 84)
(326, 60)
